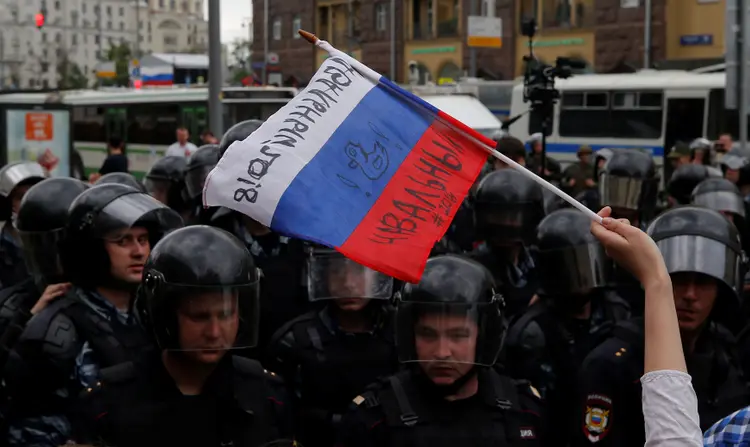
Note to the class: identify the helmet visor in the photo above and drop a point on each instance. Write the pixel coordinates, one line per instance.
(698, 254)
(722, 201)
(207, 321)
(41, 253)
(195, 179)
(620, 192)
(333, 276)
(443, 336)
(577, 269)
(129, 209)
(12, 175)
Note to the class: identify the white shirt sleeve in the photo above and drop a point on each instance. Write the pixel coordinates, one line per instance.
(670, 410)
(174, 150)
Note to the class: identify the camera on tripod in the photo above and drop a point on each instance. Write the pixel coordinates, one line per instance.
(539, 78)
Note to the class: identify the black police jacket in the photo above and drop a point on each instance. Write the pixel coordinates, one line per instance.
(15, 311)
(138, 404)
(609, 404)
(327, 368)
(45, 356)
(400, 412)
(547, 347)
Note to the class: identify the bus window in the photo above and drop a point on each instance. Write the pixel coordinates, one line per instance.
(245, 111)
(639, 116)
(194, 119)
(629, 115)
(726, 120)
(115, 122)
(88, 124)
(153, 124)
(584, 114)
(684, 120)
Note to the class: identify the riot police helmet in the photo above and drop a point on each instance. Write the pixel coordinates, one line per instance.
(601, 157)
(183, 294)
(684, 180)
(719, 194)
(21, 173)
(41, 222)
(333, 276)
(200, 164)
(693, 239)
(701, 149)
(455, 294)
(101, 214)
(165, 181)
(238, 132)
(573, 259)
(735, 166)
(122, 178)
(507, 207)
(628, 181)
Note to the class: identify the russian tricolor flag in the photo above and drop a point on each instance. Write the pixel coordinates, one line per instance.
(356, 163)
(157, 75)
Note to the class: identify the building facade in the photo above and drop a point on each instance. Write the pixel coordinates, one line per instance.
(82, 31)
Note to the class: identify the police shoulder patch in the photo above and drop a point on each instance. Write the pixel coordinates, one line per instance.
(358, 400)
(597, 422)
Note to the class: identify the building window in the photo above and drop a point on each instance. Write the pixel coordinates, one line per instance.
(97, 40)
(381, 17)
(529, 9)
(170, 40)
(198, 8)
(296, 26)
(122, 11)
(44, 37)
(122, 26)
(161, 4)
(172, 5)
(277, 29)
(629, 3)
(96, 9)
(57, 5)
(185, 7)
(74, 39)
(109, 25)
(109, 10)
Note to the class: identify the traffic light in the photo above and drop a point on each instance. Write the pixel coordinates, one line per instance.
(39, 18)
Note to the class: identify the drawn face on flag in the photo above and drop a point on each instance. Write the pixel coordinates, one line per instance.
(373, 162)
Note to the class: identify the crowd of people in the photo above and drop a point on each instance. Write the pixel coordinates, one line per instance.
(130, 315)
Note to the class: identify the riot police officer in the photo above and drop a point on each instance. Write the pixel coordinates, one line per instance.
(701, 152)
(331, 355)
(122, 178)
(193, 390)
(15, 180)
(628, 183)
(735, 166)
(508, 207)
(719, 194)
(450, 329)
(575, 313)
(702, 252)
(165, 181)
(108, 235)
(685, 179)
(41, 227)
(282, 259)
(198, 167)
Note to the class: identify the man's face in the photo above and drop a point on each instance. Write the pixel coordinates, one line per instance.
(182, 135)
(208, 324)
(585, 158)
(127, 250)
(537, 147)
(446, 346)
(349, 282)
(733, 175)
(726, 141)
(17, 195)
(694, 298)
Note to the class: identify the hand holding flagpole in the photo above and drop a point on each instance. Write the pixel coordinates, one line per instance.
(477, 138)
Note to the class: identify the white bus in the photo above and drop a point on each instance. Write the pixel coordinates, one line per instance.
(146, 119)
(648, 110)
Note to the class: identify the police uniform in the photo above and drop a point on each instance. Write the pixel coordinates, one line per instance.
(63, 347)
(12, 176)
(240, 403)
(411, 408)
(41, 226)
(693, 241)
(324, 364)
(166, 182)
(198, 167)
(508, 207)
(549, 341)
(282, 259)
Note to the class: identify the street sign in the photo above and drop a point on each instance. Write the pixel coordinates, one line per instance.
(485, 32)
(696, 40)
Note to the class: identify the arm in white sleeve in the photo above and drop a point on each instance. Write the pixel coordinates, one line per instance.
(670, 410)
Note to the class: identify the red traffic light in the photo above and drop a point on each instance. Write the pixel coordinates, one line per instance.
(39, 18)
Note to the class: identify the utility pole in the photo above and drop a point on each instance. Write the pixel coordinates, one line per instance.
(138, 29)
(264, 81)
(647, 35)
(215, 70)
(100, 19)
(350, 27)
(393, 40)
(744, 21)
(472, 50)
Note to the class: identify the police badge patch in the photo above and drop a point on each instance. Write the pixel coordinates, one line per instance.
(598, 418)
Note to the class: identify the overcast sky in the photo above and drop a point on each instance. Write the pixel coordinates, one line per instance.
(233, 14)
